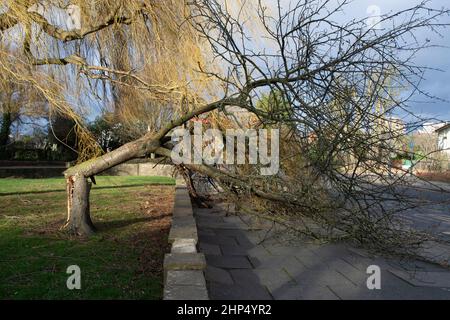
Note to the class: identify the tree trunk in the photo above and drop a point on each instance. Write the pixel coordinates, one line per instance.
(78, 214)
(5, 128)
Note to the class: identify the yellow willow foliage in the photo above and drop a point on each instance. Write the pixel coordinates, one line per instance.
(157, 55)
(140, 59)
(45, 88)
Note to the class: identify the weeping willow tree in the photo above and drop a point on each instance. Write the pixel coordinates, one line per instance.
(139, 59)
(164, 63)
(17, 101)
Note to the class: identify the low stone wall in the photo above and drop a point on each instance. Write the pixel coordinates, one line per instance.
(184, 266)
(141, 169)
(17, 163)
(47, 169)
(31, 172)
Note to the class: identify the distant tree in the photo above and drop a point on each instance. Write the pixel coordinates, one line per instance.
(5, 126)
(12, 99)
(275, 106)
(425, 144)
(109, 135)
(18, 100)
(62, 133)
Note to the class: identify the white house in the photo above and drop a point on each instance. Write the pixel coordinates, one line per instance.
(444, 138)
(430, 127)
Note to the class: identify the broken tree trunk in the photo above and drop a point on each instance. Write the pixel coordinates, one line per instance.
(78, 212)
(78, 216)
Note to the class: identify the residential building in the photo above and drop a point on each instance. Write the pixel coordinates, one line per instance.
(430, 127)
(444, 138)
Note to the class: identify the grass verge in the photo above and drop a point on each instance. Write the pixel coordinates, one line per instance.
(122, 261)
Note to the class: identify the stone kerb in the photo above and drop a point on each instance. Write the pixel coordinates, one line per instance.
(184, 266)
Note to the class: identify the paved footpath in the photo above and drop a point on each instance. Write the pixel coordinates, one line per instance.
(249, 259)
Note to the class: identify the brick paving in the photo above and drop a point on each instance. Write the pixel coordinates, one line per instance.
(249, 259)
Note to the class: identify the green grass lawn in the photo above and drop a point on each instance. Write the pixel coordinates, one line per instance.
(122, 261)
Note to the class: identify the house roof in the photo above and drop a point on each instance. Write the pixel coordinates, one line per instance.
(443, 128)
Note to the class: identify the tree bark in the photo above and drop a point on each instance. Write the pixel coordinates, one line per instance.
(78, 210)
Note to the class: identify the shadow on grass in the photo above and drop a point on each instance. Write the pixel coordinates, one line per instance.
(104, 226)
(93, 189)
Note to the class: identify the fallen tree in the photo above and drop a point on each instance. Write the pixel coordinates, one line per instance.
(332, 94)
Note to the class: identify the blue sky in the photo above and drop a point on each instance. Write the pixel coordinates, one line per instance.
(436, 83)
